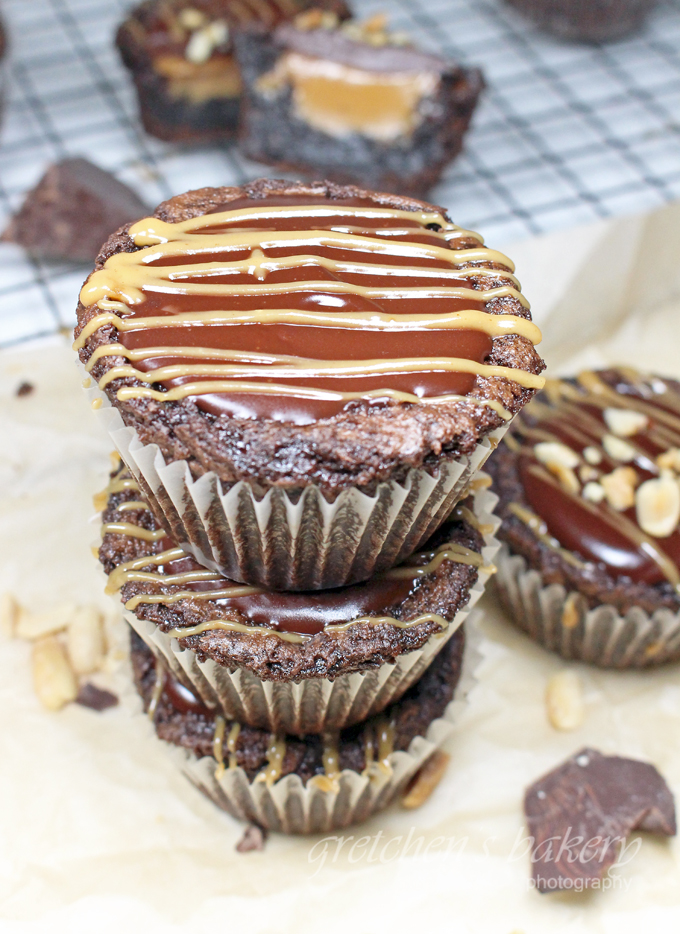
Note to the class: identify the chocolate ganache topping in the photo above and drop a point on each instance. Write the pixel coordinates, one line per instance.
(599, 464)
(165, 574)
(292, 307)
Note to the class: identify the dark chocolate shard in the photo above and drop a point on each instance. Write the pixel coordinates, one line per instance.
(254, 838)
(580, 814)
(24, 389)
(95, 698)
(72, 210)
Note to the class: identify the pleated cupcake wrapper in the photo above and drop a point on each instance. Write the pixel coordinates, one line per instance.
(316, 704)
(284, 541)
(561, 621)
(290, 806)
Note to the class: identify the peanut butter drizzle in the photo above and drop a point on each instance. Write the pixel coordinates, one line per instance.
(572, 414)
(276, 751)
(462, 512)
(224, 593)
(131, 286)
(157, 690)
(385, 734)
(298, 638)
(330, 757)
(119, 575)
(232, 739)
(132, 531)
(133, 506)
(447, 552)
(217, 745)
(369, 752)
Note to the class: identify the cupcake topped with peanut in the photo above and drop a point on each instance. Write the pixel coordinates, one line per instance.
(589, 480)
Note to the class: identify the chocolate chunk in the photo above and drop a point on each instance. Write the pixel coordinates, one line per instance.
(254, 838)
(95, 698)
(72, 210)
(24, 389)
(580, 814)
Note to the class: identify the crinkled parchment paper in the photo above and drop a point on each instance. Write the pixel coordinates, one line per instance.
(99, 832)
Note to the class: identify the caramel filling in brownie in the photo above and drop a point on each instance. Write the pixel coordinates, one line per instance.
(341, 100)
(197, 83)
(591, 471)
(180, 718)
(292, 307)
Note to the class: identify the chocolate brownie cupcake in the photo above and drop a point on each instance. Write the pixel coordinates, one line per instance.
(587, 20)
(309, 784)
(352, 102)
(589, 487)
(298, 663)
(310, 375)
(180, 53)
(3, 64)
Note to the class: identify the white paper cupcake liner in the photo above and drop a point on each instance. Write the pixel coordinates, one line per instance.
(561, 621)
(290, 806)
(300, 541)
(316, 704)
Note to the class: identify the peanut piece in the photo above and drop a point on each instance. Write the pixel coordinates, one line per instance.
(564, 701)
(593, 492)
(555, 453)
(54, 682)
(9, 614)
(191, 18)
(618, 449)
(426, 780)
(586, 473)
(619, 488)
(566, 476)
(657, 506)
(669, 460)
(592, 455)
(85, 640)
(625, 422)
(37, 625)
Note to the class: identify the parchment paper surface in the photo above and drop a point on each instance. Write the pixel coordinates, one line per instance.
(100, 833)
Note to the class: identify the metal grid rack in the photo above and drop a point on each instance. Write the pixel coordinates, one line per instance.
(566, 133)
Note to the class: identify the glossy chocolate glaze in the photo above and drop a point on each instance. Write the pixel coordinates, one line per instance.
(572, 413)
(398, 267)
(306, 613)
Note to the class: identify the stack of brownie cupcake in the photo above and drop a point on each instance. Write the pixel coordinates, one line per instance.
(303, 382)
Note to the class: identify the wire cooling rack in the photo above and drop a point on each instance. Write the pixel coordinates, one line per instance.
(565, 134)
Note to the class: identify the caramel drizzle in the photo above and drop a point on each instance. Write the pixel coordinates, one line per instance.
(127, 278)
